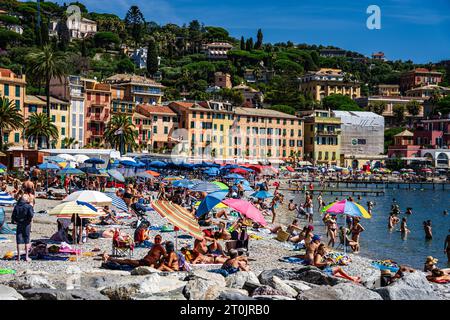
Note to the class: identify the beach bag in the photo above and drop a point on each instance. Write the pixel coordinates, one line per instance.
(282, 236)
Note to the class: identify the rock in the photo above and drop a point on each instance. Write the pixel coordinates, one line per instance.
(282, 287)
(128, 287)
(218, 279)
(142, 271)
(7, 293)
(237, 280)
(308, 274)
(30, 282)
(168, 295)
(201, 289)
(272, 297)
(299, 286)
(341, 291)
(234, 294)
(412, 286)
(55, 294)
(266, 290)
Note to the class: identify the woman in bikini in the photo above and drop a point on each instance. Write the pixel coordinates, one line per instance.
(332, 231)
(356, 230)
(170, 260)
(325, 265)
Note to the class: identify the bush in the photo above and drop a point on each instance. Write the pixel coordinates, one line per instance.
(106, 39)
(283, 108)
(340, 102)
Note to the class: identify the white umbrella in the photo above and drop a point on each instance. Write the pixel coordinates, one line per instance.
(89, 196)
(67, 157)
(81, 158)
(126, 159)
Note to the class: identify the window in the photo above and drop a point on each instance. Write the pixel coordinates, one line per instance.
(6, 90)
(17, 91)
(32, 108)
(166, 130)
(155, 129)
(192, 124)
(53, 118)
(63, 131)
(80, 121)
(74, 133)
(16, 137)
(74, 121)
(155, 118)
(194, 114)
(80, 134)
(17, 104)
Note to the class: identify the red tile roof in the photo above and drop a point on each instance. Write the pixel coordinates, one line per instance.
(5, 72)
(148, 110)
(182, 104)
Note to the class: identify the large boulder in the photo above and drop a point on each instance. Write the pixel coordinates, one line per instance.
(308, 274)
(239, 279)
(143, 271)
(30, 282)
(266, 290)
(412, 286)
(341, 291)
(233, 294)
(217, 278)
(299, 286)
(272, 297)
(56, 294)
(127, 287)
(7, 293)
(202, 289)
(282, 287)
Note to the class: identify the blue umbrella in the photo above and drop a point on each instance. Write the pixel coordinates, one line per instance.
(70, 171)
(233, 176)
(95, 161)
(210, 165)
(230, 166)
(55, 159)
(140, 165)
(158, 164)
(205, 187)
(244, 182)
(117, 202)
(2, 166)
(184, 183)
(48, 166)
(211, 171)
(116, 175)
(262, 194)
(128, 163)
(210, 201)
(90, 170)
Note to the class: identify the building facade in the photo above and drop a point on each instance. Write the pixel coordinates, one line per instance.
(137, 89)
(217, 50)
(222, 80)
(98, 110)
(326, 81)
(419, 77)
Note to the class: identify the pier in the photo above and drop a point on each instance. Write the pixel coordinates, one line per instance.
(332, 191)
(382, 184)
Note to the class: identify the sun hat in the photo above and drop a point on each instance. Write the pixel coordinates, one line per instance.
(431, 260)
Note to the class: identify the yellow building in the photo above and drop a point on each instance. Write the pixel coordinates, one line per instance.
(13, 86)
(135, 88)
(326, 81)
(59, 115)
(322, 138)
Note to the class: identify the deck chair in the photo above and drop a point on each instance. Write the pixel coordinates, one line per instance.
(121, 248)
(4, 227)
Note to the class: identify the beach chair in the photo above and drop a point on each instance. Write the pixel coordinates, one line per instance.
(122, 248)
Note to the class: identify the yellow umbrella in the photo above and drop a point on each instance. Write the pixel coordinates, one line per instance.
(82, 209)
(220, 205)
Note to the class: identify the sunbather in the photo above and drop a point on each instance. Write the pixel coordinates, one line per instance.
(235, 263)
(325, 265)
(170, 260)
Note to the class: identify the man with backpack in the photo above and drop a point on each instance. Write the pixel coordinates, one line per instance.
(22, 215)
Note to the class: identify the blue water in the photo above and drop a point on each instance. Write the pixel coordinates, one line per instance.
(379, 243)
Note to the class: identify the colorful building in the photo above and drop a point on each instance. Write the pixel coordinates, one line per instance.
(13, 86)
(222, 80)
(404, 146)
(326, 81)
(98, 110)
(419, 77)
(217, 50)
(137, 89)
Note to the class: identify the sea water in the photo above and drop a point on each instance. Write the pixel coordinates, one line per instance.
(378, 242)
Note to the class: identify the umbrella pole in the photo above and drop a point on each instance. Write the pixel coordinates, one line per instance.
(176, 240)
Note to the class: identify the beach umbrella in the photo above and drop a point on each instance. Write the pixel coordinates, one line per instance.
(205, 187)
(140, 164)
(2, 166)
(211, 171)
(290, 169)
(48, 166)
(347, 207)
(126, 159)
(246, 209)
(262, 194)
(239, 171)
(6, 199)
(55, 159)
(67, 157)
(116, 175)
(221, 185)
(117, 202)
(128, 163)
(80, 208)
(172, 178)
(184, 183)
(220, 205)
(233, 176)
(70, 171)
(179, 217)
(94, 161)
(90, 170)
(144, 175)
(395, 172)
(153, 173)
(81, 158)
(158, 164)
(210, 201)
(89, 196)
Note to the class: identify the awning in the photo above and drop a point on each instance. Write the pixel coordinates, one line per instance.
(179, 217)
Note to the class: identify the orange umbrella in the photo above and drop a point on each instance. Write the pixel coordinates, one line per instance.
(153, 173)
(179, 217)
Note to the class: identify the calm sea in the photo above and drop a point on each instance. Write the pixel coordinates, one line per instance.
(379, 243)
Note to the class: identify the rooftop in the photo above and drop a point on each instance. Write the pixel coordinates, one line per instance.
(262, 113)
(123, 78)
(405, 133)
(149, 110)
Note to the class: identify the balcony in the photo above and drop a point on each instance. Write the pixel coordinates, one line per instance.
(151, 92)
(97, 133)
(328, 133)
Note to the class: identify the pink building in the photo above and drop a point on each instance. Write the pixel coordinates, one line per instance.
(403, 146)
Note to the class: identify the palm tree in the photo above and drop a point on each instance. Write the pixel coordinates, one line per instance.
(40, 126)
(10, 117)
(67, 142)
(45, 65)
(120, 133)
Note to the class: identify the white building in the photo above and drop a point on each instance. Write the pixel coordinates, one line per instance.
(439, 157)
(362, 137)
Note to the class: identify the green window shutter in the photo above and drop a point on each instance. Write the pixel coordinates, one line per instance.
(17, 137)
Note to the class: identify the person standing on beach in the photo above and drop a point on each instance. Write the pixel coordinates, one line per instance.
(22, 215)
(309, 208)
(447, 246)
(319, 201)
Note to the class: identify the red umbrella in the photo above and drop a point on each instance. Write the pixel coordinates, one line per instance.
(239, 171)
(290, 169)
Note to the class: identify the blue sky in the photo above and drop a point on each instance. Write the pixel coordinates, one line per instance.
(410, 29)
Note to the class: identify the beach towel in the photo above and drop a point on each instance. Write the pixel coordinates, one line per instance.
(293, 260)
(7, 271)
(386, 265)
(441, 281)
(154, 228)
(337, 258)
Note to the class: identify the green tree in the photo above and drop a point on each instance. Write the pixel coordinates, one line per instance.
(120, 133)
(249, 44)
(443, 106)
(283, 108)
(8, 38)
(45, 65)
(39, 126)
(152, 57)
(125, 65)
(259, 40)
(63, 34)
(378, 107)
(340, 102)
(106, 39)
(413, 108)
(10, 118)
(135, 22)
(68, 142)
(399, 113)
(242, 45)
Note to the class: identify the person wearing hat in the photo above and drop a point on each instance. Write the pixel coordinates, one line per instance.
(430, 264)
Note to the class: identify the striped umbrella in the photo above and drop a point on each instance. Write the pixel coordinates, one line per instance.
(6, 199)
(221, 185)
(82, 209)
(117, 202)
(205, 187)
(179, 217)
(347, 207)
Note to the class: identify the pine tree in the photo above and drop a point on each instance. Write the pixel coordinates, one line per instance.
(44, 33)
(242, 43)
(259, 41)
(152, 57)
(63, 34)
(83, 49)
(249, 44)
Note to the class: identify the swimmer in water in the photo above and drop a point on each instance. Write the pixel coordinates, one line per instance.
(408, 211)
(445, 213)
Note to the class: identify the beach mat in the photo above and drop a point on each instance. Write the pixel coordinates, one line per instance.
(293, 260)
(7, 271)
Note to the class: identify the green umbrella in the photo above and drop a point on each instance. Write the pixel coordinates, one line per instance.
(221, 185)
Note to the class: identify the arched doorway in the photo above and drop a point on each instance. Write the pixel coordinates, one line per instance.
(442, 160)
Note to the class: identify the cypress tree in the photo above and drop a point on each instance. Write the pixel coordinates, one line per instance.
(242, 43)
(259, 41)
(249, 44)
(152, 57)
